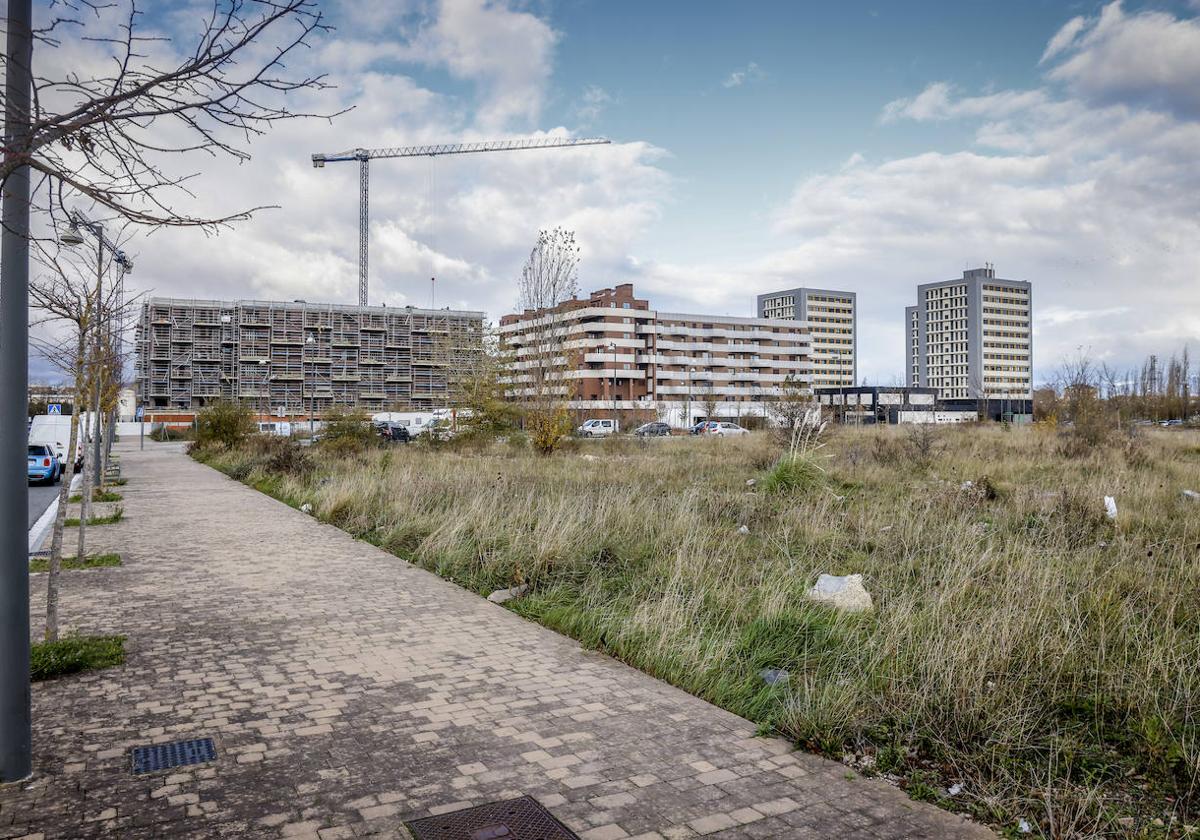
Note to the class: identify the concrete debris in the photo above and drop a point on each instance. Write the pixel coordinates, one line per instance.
(743, 530)
(1191, 494)
(500, 596)
(1023, 826)
(846, 592)
(955, 789)
(590, 458)
(773, 676)
(306, 508)
(1110, 507)
(750, 482)
(886, 528)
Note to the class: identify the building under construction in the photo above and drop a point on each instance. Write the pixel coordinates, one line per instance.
(299, 358)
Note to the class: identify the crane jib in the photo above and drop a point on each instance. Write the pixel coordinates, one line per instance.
(364, 157)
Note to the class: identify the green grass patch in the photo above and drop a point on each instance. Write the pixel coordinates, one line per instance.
(73, 654)
(111, 519)
(91, 561)
(98, 496)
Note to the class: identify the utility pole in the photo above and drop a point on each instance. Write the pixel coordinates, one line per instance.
(16, 727)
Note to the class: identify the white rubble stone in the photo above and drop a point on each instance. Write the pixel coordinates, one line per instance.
(846, 592)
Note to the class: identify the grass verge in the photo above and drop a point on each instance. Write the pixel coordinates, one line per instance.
(98, 496)
(91, 561)
(111, 519)
(72, 654)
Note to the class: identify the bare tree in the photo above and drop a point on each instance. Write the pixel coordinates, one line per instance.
(549, 277)
(65, 293)
(106, 133)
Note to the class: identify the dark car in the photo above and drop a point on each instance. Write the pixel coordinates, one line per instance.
(652, 430)
(702, 427)
(394, 432)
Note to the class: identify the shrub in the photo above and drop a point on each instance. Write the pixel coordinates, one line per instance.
(288, 457)
(345, 432)
(73, 654)
(224, 423)
(547, 428)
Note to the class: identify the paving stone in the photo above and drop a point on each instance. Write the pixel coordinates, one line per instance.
(348, 691)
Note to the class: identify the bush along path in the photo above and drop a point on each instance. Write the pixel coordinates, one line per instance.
(997, 576)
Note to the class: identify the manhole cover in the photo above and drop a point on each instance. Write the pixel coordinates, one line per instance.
(175, 754)
(513, 819)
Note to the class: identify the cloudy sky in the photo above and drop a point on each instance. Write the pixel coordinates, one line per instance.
(861, 146)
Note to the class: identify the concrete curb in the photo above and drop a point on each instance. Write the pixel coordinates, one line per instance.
(46, 521)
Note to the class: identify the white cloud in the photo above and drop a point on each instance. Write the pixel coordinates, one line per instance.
(591, 104)
(750, 73)
(1148, 58)
(1063, 38)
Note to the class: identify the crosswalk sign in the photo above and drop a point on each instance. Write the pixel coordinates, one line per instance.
(54, 408)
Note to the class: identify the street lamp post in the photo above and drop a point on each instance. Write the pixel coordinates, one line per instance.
(16, 721)
(124, 266)
(613, 347)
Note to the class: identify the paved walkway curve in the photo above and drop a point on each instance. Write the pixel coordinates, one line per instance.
(349, 691)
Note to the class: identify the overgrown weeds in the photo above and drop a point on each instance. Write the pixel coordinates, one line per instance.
(1023, 646)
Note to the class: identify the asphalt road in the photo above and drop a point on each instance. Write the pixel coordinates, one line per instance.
(40, 499)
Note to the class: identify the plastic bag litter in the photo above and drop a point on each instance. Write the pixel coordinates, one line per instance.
(1110, 507)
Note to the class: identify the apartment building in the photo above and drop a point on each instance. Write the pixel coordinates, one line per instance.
(971, 338)
(296, 358)
(832, 319)
(611, 353)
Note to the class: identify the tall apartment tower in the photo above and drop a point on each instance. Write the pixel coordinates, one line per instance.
(971, 338)
(832, 322)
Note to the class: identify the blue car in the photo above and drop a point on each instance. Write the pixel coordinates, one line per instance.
(43, 464)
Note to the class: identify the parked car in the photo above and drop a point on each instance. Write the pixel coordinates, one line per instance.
(652, 430)
(43, 464)
(698, 428)
(395, 432)
(724, 429)
(597, 428)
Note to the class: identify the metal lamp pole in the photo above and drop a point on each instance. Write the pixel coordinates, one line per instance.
(16, 727)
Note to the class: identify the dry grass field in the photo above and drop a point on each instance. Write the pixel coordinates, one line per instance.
(1026, 652)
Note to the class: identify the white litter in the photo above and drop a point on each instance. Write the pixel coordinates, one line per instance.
(1191, 494)
(1023, 826)
(955, 789)
(306, 508)
(750, 482)
(1110, 507)
(846, 592)
(743, 530)
(502, 595)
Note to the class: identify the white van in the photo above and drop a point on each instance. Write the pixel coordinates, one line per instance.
(597, 428)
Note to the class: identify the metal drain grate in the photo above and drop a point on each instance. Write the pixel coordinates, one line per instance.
(513, 819)
(175, 754)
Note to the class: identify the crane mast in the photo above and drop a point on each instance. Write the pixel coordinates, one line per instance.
(364, 157)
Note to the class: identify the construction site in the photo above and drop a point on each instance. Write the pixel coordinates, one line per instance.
(299, 358)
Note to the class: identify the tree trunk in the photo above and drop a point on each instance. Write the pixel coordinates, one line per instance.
(85, 486)
(60, 516)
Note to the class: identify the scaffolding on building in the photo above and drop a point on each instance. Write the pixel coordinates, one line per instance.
(299, 358)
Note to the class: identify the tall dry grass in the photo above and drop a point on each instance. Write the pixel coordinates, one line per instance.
(1023, 645)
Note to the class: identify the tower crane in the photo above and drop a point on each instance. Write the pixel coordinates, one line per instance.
(365, 156)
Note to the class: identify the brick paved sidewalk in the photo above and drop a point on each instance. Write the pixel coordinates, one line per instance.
(348, 691)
